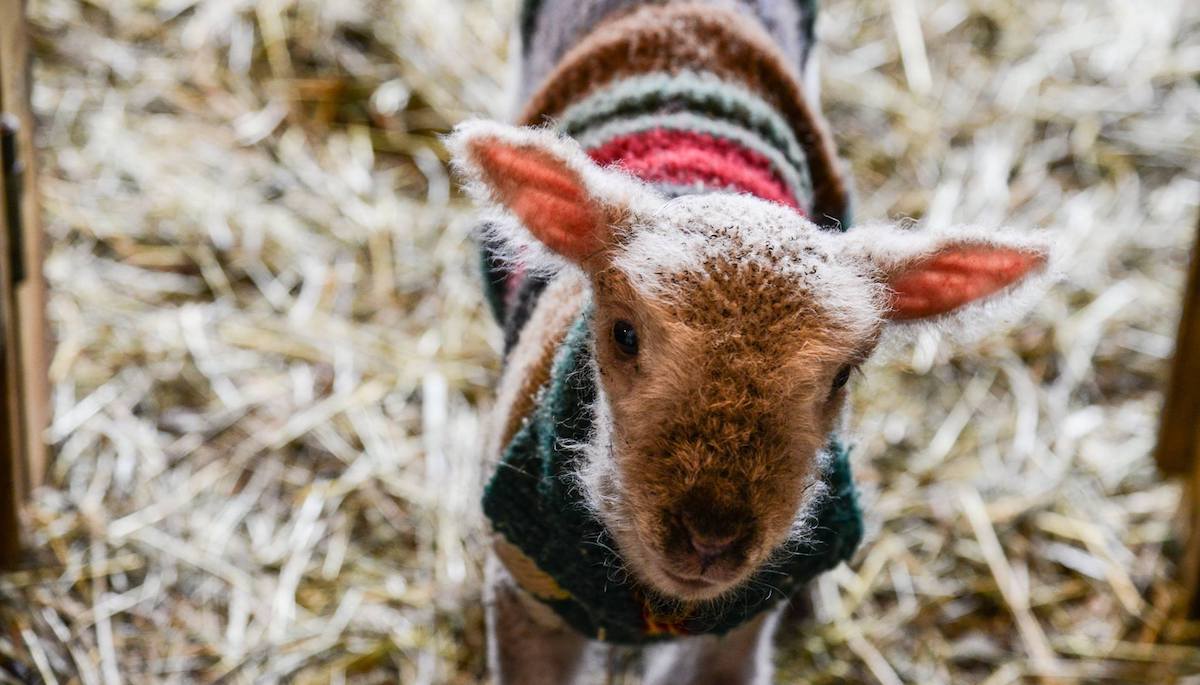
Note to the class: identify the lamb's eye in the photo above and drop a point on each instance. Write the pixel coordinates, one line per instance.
(625, 337)
(842, 377)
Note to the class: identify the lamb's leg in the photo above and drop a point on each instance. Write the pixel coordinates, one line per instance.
(528, 644)
(742, 656)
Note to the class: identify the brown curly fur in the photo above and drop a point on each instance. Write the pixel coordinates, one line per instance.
(719, 418)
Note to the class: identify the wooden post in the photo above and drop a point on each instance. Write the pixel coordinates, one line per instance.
(1178, 450)
(24, 390)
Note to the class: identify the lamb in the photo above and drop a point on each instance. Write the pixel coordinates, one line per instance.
(683, 314)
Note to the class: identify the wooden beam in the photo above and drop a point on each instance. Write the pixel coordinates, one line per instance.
(1178, 451)
(24, 391)
(1179, 438)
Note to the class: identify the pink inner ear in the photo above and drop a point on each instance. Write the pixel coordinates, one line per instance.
(949, 279)
(546, 195)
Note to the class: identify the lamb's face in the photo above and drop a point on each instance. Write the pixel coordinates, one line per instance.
(725, 329)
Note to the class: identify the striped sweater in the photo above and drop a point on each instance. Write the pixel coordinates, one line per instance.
(691, 97)
(688, 96)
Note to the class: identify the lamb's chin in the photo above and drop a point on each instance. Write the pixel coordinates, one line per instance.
(689, 590)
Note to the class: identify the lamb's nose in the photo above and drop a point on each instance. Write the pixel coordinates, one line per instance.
(707, 544)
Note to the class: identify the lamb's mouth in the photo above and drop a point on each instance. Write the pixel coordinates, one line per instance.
(692, 582)
(688, 587)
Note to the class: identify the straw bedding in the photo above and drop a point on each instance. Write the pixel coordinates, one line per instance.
(274, 362)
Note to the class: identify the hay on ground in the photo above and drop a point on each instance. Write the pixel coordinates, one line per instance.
(274, 359)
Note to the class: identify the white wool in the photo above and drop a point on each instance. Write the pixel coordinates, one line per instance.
(514, 246)
(816, 491)
(597, 475)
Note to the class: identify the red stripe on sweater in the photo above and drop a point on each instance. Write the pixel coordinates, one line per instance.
(685, 157)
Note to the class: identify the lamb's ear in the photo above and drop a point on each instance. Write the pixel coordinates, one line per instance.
(566, 201)
(932, 274)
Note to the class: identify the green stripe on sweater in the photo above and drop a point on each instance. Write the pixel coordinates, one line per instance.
(698, 92)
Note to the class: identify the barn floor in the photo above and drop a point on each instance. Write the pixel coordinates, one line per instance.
(273, 356)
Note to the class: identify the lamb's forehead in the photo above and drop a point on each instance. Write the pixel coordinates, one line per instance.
(721, 225)
(738, 246)
(695, 212)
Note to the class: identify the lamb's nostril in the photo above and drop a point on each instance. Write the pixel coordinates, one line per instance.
(707, 544)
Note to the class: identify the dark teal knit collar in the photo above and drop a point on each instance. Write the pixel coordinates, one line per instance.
(533, 502)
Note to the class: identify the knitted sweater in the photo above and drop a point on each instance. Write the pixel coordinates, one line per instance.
(690, 97)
